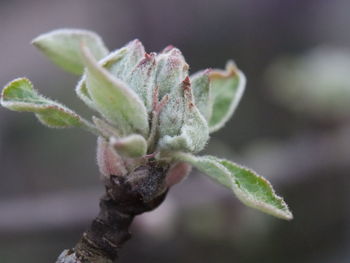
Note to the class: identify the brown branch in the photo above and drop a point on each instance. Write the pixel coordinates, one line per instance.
(126, 197)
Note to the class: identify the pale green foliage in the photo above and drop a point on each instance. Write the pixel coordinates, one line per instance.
(193, 132)
(182, 127)
(113, 99)
(200, 83)
(63, 47)
(132, 146)
(121, 62)
(84, 95)
(141, 80)
(217, 93)
(171, 73)
(172, 69)
(227, 88)
(19, 95)
(172, 115)
(150, 108)
(252, 189)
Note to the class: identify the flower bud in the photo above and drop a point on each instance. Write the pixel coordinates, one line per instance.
(172, 69)
(155, 117)
(141, 79)
(121, 68)
(200, 84)
(184, 129)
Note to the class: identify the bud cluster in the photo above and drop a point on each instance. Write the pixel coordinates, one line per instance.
(152, 111)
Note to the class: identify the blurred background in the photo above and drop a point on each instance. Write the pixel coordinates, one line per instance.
(292, 126)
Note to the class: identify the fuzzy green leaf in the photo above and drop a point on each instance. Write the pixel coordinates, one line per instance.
(109, 62)
(141, 79)
(121, 62)
(200, 84)
(182, 126)
(108, 160)
(252, 189)
(19, 95)
(132, 146)
(63, 47)
(172, 115)
(171, 70)
(226, 88)
(83, 93)
(114, 99)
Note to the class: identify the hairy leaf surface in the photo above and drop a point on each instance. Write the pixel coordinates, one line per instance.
(252, 189)
(114, 99)
(226, 88)
(19, 95)
(63, 47)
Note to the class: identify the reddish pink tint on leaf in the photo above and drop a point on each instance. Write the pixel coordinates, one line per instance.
(108, 160)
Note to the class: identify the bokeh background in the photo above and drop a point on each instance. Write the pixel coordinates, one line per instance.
(292, 126)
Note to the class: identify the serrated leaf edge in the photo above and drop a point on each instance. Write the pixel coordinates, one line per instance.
(232, 184)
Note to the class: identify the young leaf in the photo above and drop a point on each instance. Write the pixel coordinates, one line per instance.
(171, 70)
(112, 59)
(114, 99)
(252, 189)
(226, 88)
(83, 93)
(141, 79)
(124, 60)
(132, 146)
(192, 132)
(19, 95)
(172, 115)
(63, 47)
(108, 160)
(200, 84)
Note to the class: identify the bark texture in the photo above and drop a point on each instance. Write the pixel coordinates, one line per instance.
(126, 197)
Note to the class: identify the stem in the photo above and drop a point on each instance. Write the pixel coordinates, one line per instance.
(88, 126)
(126, 196)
